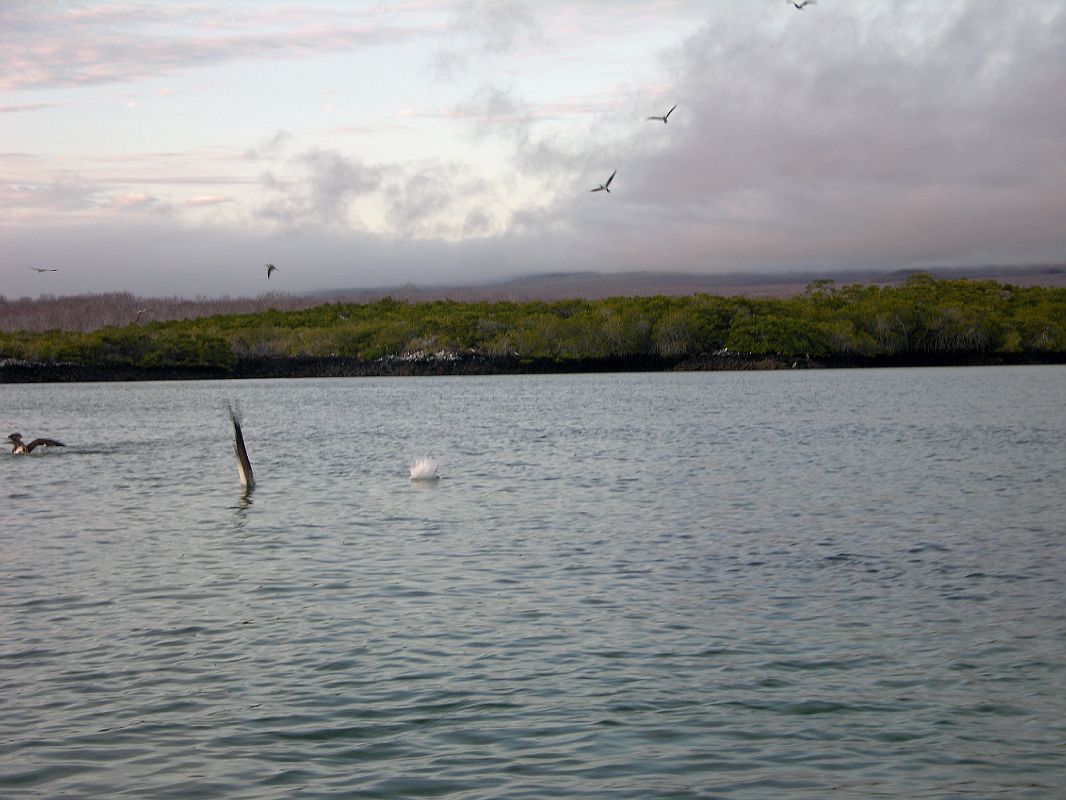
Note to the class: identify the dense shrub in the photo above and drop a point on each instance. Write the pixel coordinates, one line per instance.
(922, 316)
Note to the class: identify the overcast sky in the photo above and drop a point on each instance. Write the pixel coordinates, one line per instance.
(175, 147)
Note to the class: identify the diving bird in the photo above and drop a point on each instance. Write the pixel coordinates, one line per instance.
(39, 270)
(270, 268)
(605, 187)
(799, 4)
(666, 116)
(244, 466)
(18, 447)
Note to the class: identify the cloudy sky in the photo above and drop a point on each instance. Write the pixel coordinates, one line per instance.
(175, 147)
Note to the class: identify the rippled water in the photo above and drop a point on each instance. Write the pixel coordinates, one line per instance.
(735, 585)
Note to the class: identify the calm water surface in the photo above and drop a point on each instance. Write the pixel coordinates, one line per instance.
(734, 585)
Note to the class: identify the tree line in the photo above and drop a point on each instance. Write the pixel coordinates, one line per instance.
(922, 316)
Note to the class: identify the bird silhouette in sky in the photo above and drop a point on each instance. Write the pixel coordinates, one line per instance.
(799, 4)
(605, 187)
(270, 268)
(44, 269)
(665, 116)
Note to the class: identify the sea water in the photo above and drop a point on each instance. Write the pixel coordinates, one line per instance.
(799, 584)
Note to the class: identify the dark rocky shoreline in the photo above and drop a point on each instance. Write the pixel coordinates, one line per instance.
(475, 364)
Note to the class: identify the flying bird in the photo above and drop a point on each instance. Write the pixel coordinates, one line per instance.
(138, 313)
(270, 268)
(44, 269)
(665, 116)
(18, 447)
(799, 4)
(605, 187)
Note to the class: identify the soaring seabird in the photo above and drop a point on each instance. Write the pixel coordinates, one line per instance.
(799, 4)
(44, 269)
(605, 187)
(270, 268)
(665, 116)
(18, 447)
(244, 466)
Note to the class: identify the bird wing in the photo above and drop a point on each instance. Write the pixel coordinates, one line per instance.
(244, 465)
(43, 443)
(671, 111)
(611, 178)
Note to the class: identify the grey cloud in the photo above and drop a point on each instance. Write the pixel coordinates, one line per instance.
(67, 194)
(888, 134)
(493, 111)
(270, 148)
(323, 193)
(477, 224)
(497, 24)
(491, 26)
(421, 204)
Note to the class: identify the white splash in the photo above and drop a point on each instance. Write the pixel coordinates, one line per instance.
(424, 469)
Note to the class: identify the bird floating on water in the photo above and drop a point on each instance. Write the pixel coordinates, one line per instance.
(270, 268)
(605, 187)
(39, 270)
(18, 447)
(799, 4)
(665, 116)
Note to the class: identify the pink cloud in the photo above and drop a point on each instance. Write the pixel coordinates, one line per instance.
(134, 202)
(107, 44)
(15, 109)
(208, 200)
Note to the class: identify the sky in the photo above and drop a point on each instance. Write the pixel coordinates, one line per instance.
(174, 148)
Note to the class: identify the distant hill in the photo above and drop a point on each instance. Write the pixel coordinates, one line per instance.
(92, 311)
(598, 285)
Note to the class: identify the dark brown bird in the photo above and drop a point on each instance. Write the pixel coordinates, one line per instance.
(18, 447)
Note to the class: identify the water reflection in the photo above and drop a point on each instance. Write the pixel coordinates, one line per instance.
(240, 519)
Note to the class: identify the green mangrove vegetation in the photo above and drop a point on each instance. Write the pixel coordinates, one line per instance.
(828, 322)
